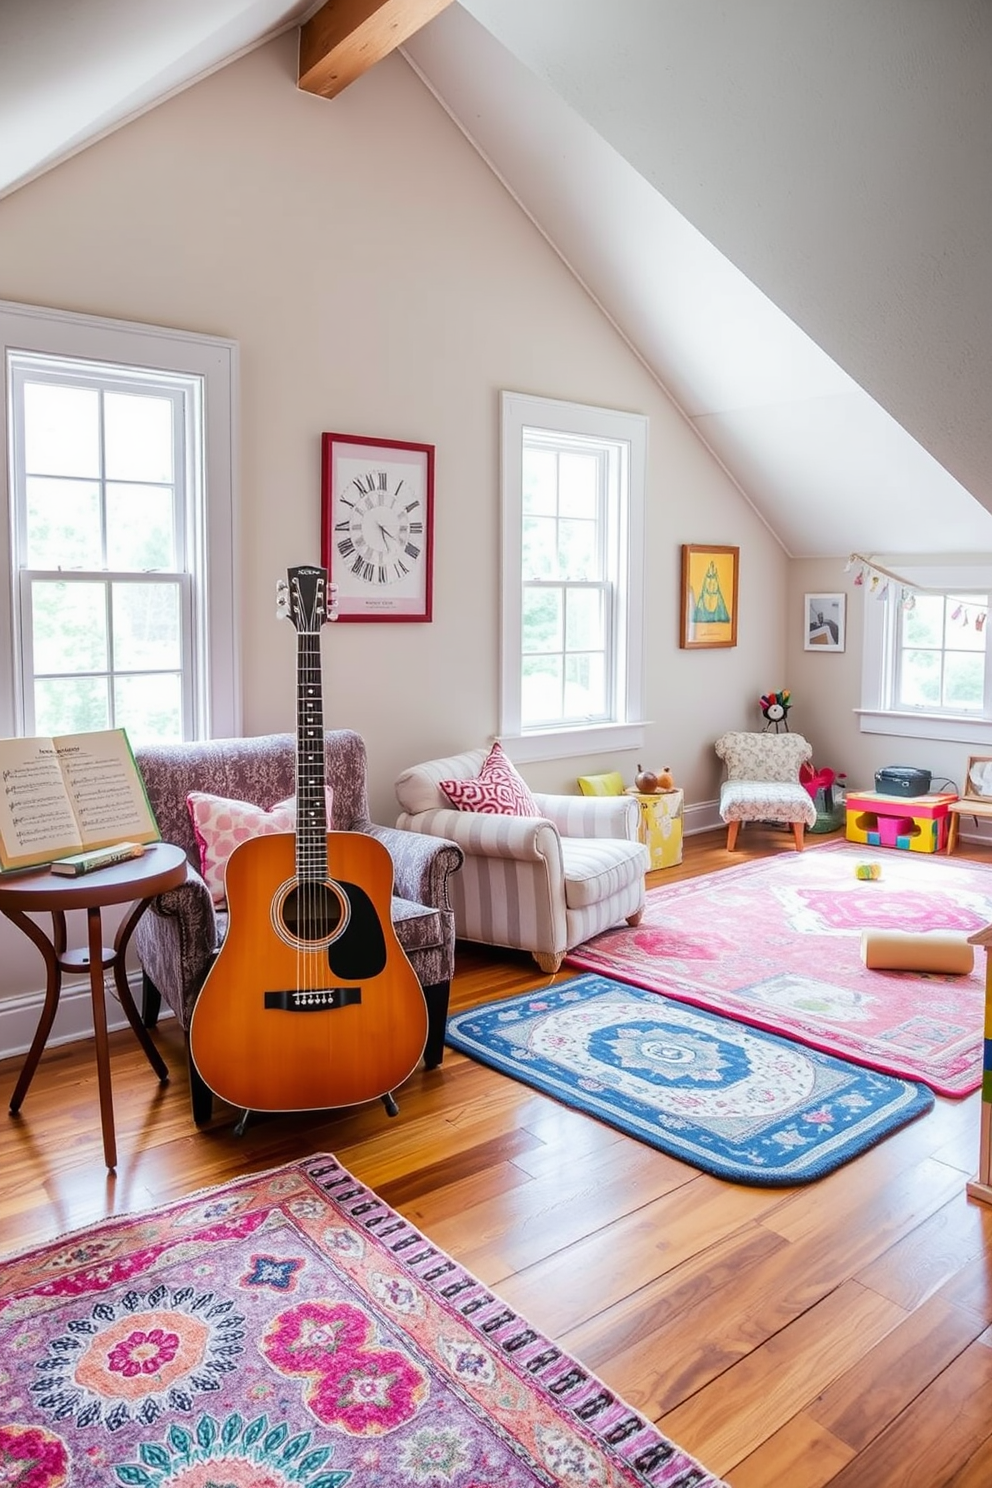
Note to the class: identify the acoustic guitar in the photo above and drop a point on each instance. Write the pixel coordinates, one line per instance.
(311, 1002)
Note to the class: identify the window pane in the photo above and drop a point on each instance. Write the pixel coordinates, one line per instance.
(585, 686)
(541, 700)
(584, 625)
(960, 631)
(69, 623)
(578, 549)
(138, 437)
(63, 524)
(540, 548)
(923, 625)
(964, 680)
(146, 626)
(540, 482)
(61, 430)
(150, 708)
(140, 531)
(70, 705)
(579, 486)
(542, 619)
(920, 680)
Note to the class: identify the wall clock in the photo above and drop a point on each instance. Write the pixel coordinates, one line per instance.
(377, 515)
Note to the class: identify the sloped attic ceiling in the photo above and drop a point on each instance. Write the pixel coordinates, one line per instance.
(819, 147)
(836, 154)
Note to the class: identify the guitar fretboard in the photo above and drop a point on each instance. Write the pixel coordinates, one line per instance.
(311, 804)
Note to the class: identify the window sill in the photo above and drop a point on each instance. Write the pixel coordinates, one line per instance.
(953, 730)
(550, 744)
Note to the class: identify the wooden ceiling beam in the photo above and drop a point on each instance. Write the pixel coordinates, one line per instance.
(347, 37)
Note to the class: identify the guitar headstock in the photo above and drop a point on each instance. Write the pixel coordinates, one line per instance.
(306, 598)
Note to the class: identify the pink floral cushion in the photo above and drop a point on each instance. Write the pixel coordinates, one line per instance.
(221, 826)
(497, 790)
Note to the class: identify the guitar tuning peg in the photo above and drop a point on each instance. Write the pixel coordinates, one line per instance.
(282, 599)
(332, 601)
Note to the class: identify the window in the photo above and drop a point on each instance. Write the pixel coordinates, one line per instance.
(573, 503)
(927, 670)
(120, 568)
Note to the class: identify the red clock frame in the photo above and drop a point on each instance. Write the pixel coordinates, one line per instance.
(353, 466)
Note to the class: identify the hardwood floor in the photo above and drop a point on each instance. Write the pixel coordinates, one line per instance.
(839, 1332)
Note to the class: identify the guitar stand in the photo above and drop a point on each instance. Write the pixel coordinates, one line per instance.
(388, 1100)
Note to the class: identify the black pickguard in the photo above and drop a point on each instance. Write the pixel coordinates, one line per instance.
(360, 952)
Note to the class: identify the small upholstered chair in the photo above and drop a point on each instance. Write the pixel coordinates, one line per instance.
(763, 783)
(542, 882)
(178, 939)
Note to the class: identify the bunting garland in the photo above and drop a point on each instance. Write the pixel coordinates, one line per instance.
(880, 582)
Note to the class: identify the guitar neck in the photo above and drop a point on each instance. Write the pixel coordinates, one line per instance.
(311, 806)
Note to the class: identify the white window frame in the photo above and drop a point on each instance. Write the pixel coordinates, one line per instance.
(211, 363)
(625, 730)
(876, 715)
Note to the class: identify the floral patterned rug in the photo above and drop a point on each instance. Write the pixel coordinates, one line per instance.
(731, 1100)
(777, 944)
(289, 1328)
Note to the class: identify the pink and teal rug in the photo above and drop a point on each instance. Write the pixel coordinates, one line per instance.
(776, 943)
(290, 1330)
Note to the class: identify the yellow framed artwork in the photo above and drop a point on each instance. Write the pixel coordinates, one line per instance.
(709, 596)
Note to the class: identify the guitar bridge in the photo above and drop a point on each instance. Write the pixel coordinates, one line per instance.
(313, 999)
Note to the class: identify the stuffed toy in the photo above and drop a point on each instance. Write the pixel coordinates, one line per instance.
(775, 706)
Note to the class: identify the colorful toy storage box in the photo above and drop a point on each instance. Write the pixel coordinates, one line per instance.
(916, 823)
(661, 825)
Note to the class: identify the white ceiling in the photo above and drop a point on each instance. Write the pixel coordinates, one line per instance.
(760, 122)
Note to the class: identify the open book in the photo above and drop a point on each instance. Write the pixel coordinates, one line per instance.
(64, 795)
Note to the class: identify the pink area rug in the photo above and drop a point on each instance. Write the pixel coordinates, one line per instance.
(291, 1330)
(777, 943)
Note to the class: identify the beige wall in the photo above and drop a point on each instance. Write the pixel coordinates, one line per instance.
(379, 280)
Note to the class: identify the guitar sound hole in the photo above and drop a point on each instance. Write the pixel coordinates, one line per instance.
(313, 913)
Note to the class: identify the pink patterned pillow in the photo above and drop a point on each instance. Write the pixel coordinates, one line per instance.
(221, 826)
(497, 790)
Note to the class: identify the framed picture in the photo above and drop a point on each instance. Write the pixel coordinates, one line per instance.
(978, 781)
(709, 596)
(824, 622)
(377, 526)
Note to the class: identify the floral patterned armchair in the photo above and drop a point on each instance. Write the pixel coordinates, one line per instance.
(763, 784)
(179, 936)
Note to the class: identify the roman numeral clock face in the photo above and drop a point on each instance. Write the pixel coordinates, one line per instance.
(377, 512)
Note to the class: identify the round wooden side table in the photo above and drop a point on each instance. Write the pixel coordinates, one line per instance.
(161, 867)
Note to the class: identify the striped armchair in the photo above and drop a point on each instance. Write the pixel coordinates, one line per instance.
(542, 884)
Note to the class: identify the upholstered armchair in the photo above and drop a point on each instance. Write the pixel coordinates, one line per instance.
(179, 936)
(763, 783)
(542, 883)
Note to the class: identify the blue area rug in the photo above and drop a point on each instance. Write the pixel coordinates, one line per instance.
(735, 1101)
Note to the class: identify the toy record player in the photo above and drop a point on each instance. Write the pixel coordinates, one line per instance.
(902, 780)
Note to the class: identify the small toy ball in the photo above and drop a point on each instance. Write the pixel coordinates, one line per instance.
(868, 870)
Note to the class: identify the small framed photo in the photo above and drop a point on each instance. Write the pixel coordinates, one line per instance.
(377, 526)
(825, 621)
(978, 781)
(709, 596)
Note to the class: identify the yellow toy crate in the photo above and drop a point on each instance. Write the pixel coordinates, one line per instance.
(661, 825)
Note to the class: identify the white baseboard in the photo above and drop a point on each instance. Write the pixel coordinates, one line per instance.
(73, 1021)
(702, 817)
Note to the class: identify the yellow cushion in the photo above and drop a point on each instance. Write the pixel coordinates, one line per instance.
(602, 785)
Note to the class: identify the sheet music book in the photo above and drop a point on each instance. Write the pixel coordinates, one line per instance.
(65, 795)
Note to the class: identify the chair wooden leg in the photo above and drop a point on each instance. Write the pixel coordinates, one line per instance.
(637, 917)
(436, 998)
(732, 829)
(549, 961)
(799, 832)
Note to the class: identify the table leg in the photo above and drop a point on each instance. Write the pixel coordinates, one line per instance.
(121, 939)
(51, 1004)
(95, 944)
